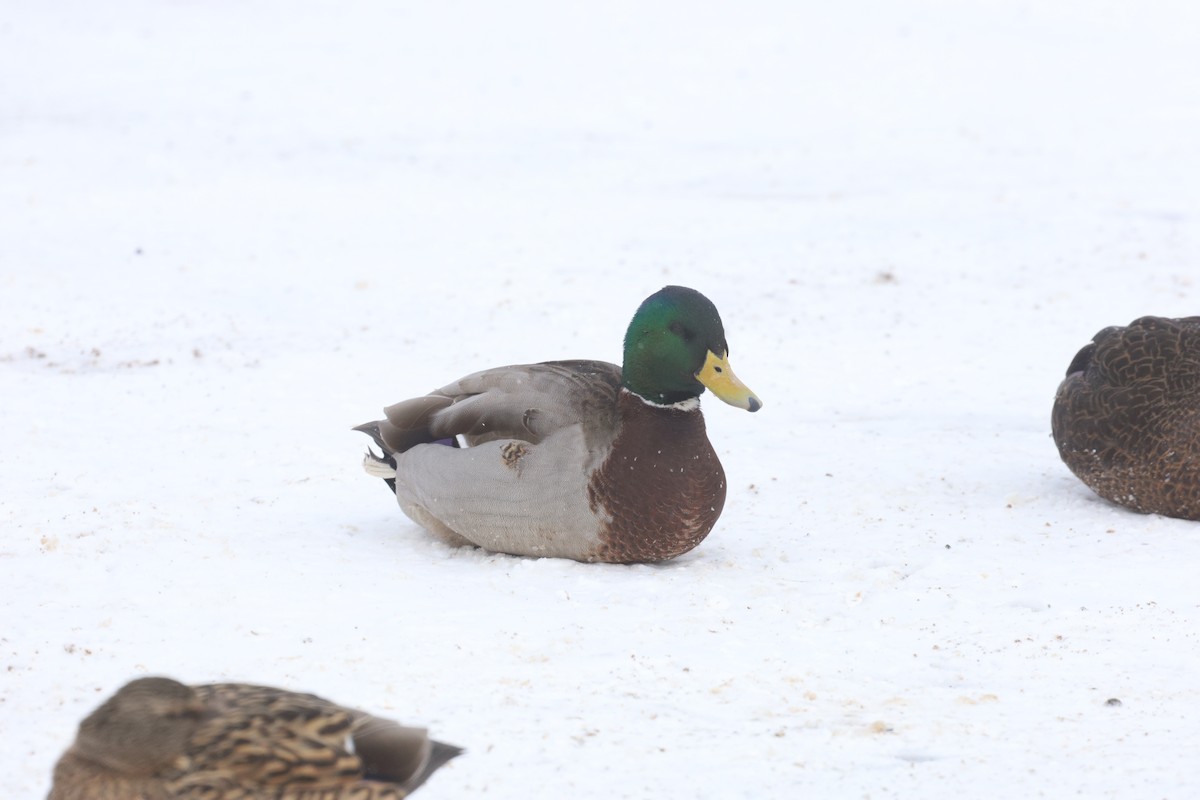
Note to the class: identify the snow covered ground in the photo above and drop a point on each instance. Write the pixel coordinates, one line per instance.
(231, 231)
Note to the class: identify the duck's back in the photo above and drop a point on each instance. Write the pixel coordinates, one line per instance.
(532, 401)
(266, 742)
(1127, 417)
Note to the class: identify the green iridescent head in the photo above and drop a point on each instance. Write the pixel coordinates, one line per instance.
(675, 347)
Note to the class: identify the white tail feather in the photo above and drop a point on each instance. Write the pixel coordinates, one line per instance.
(376, 468)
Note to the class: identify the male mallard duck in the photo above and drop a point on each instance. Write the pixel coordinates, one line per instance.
(573, 459)
(157, 739)
(1127, 418)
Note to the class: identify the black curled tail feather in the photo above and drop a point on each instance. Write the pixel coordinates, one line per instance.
(372, 429)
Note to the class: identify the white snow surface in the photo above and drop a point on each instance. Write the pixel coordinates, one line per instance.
(231, 231)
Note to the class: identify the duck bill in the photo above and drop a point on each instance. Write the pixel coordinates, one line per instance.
(719, 379)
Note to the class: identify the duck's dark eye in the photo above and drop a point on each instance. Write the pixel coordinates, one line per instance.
(681, 331)
(187, 712)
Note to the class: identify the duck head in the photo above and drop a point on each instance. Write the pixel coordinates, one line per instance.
(675, 348)
(142, 729)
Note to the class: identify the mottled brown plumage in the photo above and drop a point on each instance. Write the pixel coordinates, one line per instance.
(158, 739)
(1127, 417)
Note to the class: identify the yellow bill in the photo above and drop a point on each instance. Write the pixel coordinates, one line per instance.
(719, 379)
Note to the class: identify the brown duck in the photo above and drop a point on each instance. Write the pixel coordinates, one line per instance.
(1127, 417)
(158, 739)
(573, 459)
